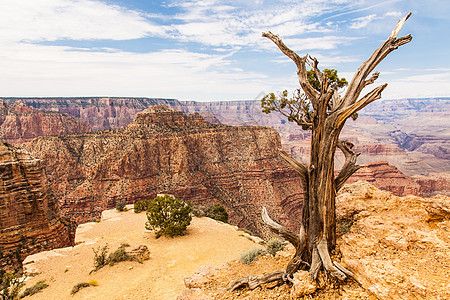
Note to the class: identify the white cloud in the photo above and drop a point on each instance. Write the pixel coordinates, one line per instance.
(63, 71)
(362, 22)
(50, 20)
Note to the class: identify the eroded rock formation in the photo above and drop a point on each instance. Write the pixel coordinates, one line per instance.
(29, 215)
(20, 123)
(165, 151)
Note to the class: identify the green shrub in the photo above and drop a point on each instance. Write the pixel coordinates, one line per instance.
(249, 256)
(168, 216)
(78, 287)
(100, 257)
(141, 205)
(274, 245)
(10, 284)
(40, 285)
(199, 211)
(121, 205)
(217, 212)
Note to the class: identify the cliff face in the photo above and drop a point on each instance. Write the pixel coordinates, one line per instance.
(165, 151)
(19, 123)
(99, 112)
(29, 215)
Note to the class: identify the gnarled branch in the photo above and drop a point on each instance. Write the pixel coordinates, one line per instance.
(373, 95)
(349, 166)
(359, 79)
(300, 62)
(288, 235)
(301, 169)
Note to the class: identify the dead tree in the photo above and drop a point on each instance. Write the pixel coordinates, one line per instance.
(325, 118)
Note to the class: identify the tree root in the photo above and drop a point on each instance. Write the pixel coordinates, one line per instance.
(253, 282)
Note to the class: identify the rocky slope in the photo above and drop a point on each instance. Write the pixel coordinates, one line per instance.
(20, 123)
(396, 247)
(165, 151)
(29, 214)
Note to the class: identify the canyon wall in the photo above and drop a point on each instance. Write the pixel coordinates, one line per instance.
(410, 134)
(165, 151)
(99, 112)
(20, 123)
(29, 214)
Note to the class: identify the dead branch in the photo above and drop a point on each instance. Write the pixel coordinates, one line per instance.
(359, 79)
(373, 95)
(288, 235)
(349, 167)
(300, 62)
(301, 169)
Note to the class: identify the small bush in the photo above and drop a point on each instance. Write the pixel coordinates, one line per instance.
(249, 256)
(217, 212)
(40, 285)
(10, 284)
(168, 216)
(199, 211)
(140, 206)
(274, 245)
(78, 287)
(121, 205)
(93, 282)
(100, 257)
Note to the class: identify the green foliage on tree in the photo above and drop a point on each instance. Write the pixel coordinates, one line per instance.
(140, 206)
(168, 216)
(335, 82)
(297, 108)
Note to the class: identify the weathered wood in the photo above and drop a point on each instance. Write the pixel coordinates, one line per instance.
(252, 282)
(349, 167)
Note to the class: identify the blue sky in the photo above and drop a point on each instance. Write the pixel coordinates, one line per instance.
(208, 50)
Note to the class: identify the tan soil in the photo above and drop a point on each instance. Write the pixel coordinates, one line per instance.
(207, 242)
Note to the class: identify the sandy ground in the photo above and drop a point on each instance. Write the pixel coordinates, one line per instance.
(207, 242)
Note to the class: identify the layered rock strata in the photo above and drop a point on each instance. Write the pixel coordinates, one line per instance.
(165, 151)
(387, 177)
(20, 123)
(29, 215)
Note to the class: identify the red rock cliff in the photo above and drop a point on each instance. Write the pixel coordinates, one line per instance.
(19, 123)
(165, 151)
(29, 215)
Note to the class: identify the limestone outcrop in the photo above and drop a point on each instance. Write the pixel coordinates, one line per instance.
(29, 214)
(165, 151)
(397, 247)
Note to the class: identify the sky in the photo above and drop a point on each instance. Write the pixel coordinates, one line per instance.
(210, 50)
